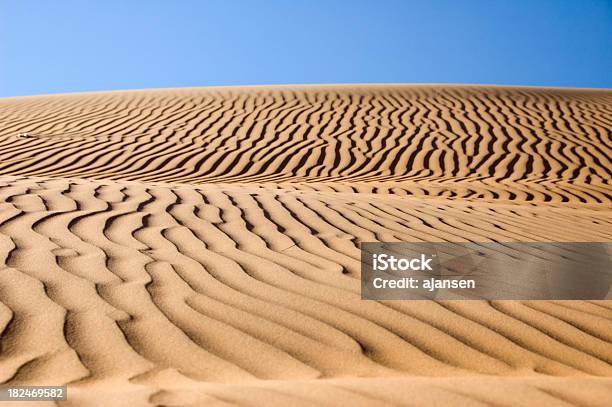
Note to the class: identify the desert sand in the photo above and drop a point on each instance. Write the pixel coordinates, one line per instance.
(201, 246)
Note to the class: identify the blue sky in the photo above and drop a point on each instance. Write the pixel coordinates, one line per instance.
(78, 46)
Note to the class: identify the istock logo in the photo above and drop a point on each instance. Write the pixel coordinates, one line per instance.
(383, 262)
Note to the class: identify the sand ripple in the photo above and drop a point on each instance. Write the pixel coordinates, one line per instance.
(201, 247)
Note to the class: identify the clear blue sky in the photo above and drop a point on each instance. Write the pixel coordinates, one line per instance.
(76, 46)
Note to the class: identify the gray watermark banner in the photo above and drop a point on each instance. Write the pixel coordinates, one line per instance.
(486, 271)
(33, 393)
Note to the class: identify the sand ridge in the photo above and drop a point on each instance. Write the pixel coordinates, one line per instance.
(524, 143)
(201, 246)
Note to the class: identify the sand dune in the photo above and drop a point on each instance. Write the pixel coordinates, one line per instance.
(201, 246)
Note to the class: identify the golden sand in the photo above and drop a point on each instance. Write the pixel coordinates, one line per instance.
(201, 246)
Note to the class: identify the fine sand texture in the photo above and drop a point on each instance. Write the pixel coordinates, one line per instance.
(200, 247)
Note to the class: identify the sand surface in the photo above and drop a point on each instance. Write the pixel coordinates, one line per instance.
(201, 246)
